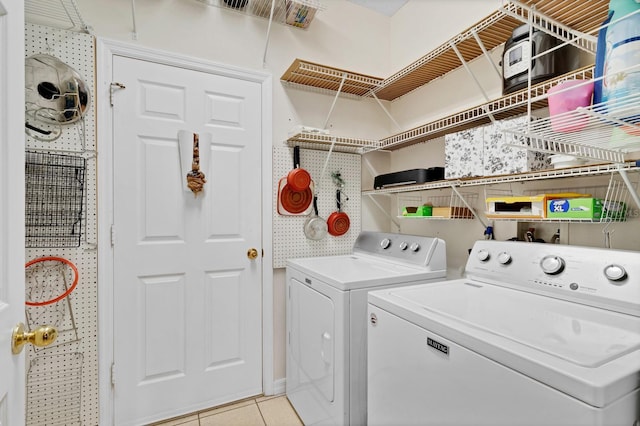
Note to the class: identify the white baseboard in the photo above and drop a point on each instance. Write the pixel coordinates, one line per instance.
(279, 386)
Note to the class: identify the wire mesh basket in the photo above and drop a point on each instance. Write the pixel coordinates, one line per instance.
(54, 196)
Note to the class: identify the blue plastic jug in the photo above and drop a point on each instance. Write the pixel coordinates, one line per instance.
(618, 53)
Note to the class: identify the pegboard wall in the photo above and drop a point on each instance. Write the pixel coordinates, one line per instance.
(62, 380)
(289, 240)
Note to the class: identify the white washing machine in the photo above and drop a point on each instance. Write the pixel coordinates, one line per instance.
(327, 319)
(537, 334)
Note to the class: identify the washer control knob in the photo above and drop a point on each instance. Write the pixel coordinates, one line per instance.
(504, 258)
(615, 272)
(483, 255)
(415, 247)
(385, 243)
(404, 245)
(552, 265)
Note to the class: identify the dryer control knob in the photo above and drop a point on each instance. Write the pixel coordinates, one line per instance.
(404, 245)
(385, 243)
(483, 255)
(615, 272)
(415, 247)
(552, 265)
(504, 258)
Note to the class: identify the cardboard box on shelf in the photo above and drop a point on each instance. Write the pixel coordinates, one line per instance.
(524, 207)
(452, 212)
(299, 14)
(574, 208)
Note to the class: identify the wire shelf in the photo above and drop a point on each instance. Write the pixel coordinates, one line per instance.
(54, 197)
(615, 197)
(287, 12)
(601, 132)
(63, 14)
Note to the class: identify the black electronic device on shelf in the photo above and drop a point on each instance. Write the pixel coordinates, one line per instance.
(408, 177)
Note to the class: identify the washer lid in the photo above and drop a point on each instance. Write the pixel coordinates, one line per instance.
(588, 352)
(355, 271)
(576, 333)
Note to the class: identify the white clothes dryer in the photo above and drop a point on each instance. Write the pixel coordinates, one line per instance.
(327, 319)
(535, 335)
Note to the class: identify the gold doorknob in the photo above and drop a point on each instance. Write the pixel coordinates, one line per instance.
(41, 336)
(252, 253)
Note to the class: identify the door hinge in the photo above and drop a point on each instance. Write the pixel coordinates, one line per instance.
(113, 374)
(113, 235)
(112, 87)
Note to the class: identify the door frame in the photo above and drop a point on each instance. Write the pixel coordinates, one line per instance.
(106, 49)
(12, 211)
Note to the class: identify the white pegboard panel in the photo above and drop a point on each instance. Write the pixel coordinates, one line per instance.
(76, 50)
(289, 240)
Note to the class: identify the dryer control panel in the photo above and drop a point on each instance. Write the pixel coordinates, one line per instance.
(605, 278)
(414, 249)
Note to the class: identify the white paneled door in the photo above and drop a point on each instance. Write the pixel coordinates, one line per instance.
(187, 285)
(12, 373)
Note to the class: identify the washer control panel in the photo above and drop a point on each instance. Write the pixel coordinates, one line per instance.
(600, 277)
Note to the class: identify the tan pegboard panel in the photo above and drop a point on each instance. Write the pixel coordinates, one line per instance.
(77, 360)
(289, 240)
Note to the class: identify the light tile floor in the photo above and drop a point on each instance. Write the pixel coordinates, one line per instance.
(261, 411)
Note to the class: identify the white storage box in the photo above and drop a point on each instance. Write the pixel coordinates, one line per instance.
(485, 151)
(499, 158)
(463, 153)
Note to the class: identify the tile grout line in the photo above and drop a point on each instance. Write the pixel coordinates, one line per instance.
(261, 415)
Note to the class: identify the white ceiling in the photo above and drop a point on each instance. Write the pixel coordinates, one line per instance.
(386, 7)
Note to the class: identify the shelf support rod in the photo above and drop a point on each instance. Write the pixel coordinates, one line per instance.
(473, 76)
(335, 99)
(454, 189)
(383, 210)
(486, 54)
(266, 44)
(369, 167)
(386, 111)
(632, 190)
(134, 34)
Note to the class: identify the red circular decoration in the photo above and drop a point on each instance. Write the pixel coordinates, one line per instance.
(295, 201)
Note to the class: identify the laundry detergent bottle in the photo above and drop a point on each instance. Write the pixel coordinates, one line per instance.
(618, 53)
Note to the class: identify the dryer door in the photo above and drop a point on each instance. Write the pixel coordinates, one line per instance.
(311, 348)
